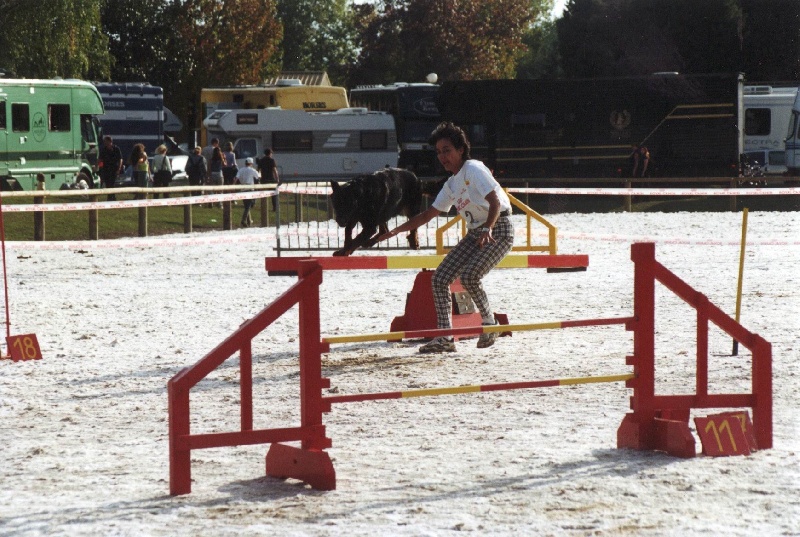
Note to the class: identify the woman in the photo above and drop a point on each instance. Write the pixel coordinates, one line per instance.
(229, 168)
(140, 170)
(486, 209)
(162, 169)
(215, 169)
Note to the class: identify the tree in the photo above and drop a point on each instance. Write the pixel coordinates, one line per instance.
(319, 35)
(635, 37)
(186, 45)
(44, 39)
(771, 40)
(457, 39)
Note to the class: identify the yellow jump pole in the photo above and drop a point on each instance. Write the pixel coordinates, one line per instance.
(735, 351)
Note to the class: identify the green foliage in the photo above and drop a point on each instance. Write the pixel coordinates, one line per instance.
(771, 40)
(461, 39)
(49, 38)
(630, 37)
(319, 35)
(542, 59)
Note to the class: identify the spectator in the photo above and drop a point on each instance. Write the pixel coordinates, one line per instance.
(229, 168)
(269, 173)
(215, 169)
(640, 156)
(247, 176)
(162, 174)
(109, 160)
(208, 153)
(140, 169)
(196, 168)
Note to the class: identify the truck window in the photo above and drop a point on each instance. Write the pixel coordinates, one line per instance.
(373, 140)
(88, 130)
(757, 121)
(292, 141)
(2, 115)
(58, 117)
(20, 117)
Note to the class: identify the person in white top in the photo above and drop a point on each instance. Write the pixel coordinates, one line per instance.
(484, 205)
(247, 176)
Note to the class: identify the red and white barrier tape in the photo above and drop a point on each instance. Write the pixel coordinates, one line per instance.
(660, 191)
(132, 204)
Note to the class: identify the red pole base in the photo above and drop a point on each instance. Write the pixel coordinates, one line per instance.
(671, 436)
(310, 466)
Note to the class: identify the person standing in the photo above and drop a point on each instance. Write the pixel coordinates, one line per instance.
(208, 153)
(486, 208)
(269, 173)
(215, 170)
(162, 170)
(140, 169)
(640, 157)
(229, 168)
(110, 161)
(247, 176)
(196, 168)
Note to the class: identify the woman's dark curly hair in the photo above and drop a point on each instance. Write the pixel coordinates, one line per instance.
(456, 135)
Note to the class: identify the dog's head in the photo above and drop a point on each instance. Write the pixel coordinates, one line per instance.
(345, 201)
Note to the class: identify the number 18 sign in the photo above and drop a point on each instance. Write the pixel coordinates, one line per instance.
(24, 347)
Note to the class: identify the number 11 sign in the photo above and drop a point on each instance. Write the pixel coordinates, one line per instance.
(728, 433)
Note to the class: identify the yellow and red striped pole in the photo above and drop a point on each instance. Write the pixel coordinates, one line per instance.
(475, 389)
(472, 330)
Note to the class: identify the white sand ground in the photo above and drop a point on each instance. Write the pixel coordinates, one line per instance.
(84, 431)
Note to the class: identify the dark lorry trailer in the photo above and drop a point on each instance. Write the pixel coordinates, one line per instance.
(578, 128)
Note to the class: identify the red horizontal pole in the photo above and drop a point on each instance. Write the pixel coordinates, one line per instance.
(243, 438)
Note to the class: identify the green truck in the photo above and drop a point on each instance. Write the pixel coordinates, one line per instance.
(48, 127)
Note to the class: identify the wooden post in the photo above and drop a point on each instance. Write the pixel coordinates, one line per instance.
(38, 220)
(264, 214)
(94, 229)
(226, 215)
(187, 218)
(142, 215)
(627, 201)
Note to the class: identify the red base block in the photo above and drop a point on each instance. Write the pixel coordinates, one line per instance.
(672, 436)
(420, 313)
(310, 466)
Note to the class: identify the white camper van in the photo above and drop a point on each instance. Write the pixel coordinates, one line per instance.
(310, 146)
(793, 140)
(766, 116)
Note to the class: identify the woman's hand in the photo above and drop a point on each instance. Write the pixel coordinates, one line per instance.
(485, 237)
(387, 235)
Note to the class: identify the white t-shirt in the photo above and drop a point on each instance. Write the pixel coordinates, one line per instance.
(247, 175)
(467, 191)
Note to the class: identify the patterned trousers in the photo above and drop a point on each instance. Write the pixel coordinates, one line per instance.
(471, 263)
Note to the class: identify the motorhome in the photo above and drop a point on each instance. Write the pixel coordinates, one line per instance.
(310, 146)
(288, 94)
(767, 110)
(793, 140)
(416, 115)
(587, 128)
(49, 127)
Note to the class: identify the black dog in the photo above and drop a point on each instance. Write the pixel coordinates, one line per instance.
(372, 200)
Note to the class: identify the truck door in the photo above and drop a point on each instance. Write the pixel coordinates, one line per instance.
(3, 136)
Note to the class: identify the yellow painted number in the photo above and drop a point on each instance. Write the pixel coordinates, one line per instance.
(723, 426)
